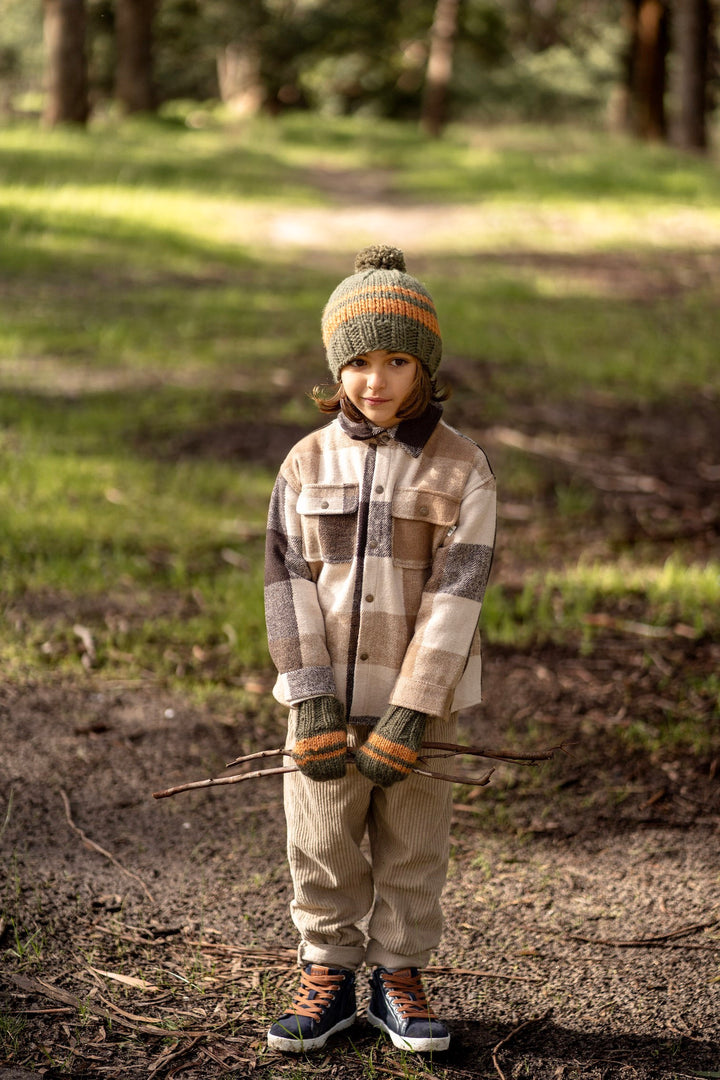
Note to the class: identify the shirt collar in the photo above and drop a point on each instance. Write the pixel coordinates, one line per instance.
(411, 435)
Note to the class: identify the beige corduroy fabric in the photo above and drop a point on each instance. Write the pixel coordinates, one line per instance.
(337, 888)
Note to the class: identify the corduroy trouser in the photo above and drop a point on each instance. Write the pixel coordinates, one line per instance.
(399, 885)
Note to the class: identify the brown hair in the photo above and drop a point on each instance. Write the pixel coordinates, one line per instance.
(332, 399)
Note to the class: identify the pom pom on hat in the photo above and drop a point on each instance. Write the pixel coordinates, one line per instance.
(380, 306)
(380, 257)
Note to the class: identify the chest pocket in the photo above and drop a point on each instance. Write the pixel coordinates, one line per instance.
(329, 514)
(420, 521)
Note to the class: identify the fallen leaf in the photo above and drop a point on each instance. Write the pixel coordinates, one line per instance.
(126, 980)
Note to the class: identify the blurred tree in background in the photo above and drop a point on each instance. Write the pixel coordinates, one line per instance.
(649, 66)
(66, 98)
(134, 81)
(693, 34)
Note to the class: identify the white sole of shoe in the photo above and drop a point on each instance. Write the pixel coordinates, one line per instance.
(301, 1046)
(418, 1046)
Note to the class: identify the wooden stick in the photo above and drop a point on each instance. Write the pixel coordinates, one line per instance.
(100, 850)
(516, 1031)
(259, 754)
(448, 750)
(452, 749)
(56, 993)
(496, 755)
(481, 781)
(217, 781)
(655, 939)
(239, 778)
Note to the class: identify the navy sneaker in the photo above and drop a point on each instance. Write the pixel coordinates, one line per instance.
(324, 1003)
(399, 1007)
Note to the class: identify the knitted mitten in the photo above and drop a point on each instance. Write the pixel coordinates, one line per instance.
(391, 750)
(320, 738)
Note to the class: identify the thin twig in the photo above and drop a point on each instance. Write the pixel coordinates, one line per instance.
(655, 939)
(481, 974)
(448, 750)
(452, 749)
(516, 1031)
(8, 812)
(259, 754)
(218, 781)
(56, 993)
(100, 850)
(165, 1059)
(496, 755)
(239, 778)
(480, 781)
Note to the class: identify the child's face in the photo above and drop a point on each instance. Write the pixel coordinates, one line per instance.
(378, 382)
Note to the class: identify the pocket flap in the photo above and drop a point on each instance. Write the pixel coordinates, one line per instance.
(432, 506)
(328, 499)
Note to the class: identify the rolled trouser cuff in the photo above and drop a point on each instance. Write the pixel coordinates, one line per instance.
(349, 957)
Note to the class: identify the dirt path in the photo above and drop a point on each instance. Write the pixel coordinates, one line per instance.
(583, 920)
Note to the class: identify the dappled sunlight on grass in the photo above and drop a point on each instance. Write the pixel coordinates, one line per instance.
(107, 534)
(652, 600)
(161, 291)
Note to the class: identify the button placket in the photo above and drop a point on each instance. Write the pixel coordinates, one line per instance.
(377, 491)
(379, 488)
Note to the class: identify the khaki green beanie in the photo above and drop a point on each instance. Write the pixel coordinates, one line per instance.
(380, 306)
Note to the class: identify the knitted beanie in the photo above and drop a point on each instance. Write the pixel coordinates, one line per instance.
(380, 306)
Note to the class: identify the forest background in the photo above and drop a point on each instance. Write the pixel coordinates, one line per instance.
(181, 187)
(648, 66)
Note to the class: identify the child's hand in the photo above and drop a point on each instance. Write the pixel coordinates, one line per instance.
(320, 738)
(391, 750)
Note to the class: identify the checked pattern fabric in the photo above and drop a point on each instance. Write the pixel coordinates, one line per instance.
(378, 556)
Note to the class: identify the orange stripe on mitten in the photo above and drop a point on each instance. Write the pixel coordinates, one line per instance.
(392, 748)
(320, 738)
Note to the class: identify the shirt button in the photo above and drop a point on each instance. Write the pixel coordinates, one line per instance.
(424, 511)
(372, 544)
(363, 656)
(369, 598)
(379, 489)
(324, 504)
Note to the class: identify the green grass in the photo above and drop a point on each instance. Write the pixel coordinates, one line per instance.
(147, 304)
(576, 602)
(11, 1031)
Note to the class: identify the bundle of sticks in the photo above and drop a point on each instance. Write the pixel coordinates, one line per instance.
(422, 768)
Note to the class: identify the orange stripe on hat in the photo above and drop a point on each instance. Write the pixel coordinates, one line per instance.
(367, 289)
(380, 305)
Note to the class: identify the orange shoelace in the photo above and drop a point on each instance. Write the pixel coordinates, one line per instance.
(408, 995)
(314, 993)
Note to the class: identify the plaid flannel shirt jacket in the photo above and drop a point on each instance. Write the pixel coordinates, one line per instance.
(379, 547)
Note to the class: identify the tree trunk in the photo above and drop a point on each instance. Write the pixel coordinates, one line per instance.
(66, 84)
(240, 80)
(542, 19)
(439, 67)
(134, 87)
(648, 68)
(691, 35)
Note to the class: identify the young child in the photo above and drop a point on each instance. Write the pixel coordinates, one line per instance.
(380, 539)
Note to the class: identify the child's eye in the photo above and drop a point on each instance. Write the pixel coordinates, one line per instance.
(356, 362)
(399, 361)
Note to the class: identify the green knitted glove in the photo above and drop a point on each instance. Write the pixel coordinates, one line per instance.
(391, 750)
(320, 738)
